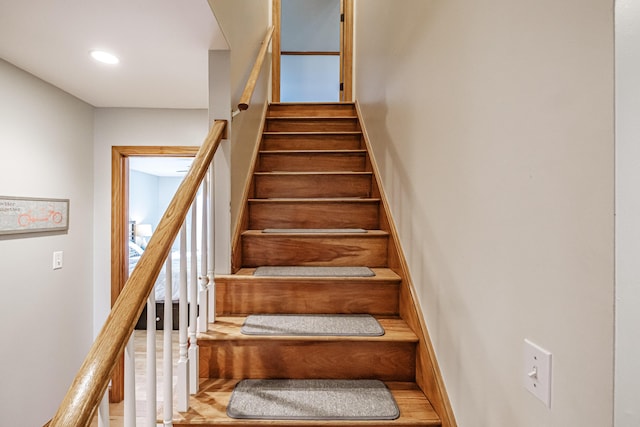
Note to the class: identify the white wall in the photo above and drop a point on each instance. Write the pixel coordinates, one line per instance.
(244, 23)
(129, 127)
(143, 199)
(150, 195)
(492, 122)
(627, 213)
(45, 315)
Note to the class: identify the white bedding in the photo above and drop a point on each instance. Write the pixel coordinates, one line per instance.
(136, 251)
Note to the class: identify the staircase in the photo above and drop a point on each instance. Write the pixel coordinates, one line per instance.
(313, 200)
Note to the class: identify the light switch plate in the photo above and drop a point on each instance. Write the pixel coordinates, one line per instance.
(57, 260)
(537, 371)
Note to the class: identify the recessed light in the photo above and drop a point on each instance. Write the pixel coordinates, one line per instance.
(104, 57)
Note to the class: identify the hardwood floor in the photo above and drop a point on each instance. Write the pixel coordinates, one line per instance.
(116, 410)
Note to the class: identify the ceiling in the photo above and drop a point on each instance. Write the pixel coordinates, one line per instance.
(162, 45)
(161, 166)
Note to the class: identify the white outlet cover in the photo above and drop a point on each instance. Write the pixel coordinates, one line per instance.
(537, 371)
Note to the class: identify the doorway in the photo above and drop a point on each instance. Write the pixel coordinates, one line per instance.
(312, 51)
(120, 228)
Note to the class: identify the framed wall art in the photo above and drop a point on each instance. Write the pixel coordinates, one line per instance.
(33, 215)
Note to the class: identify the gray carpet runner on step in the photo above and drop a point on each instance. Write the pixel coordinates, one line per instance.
(303, 271)
(312, 400)
(314, 230)
(312, 325)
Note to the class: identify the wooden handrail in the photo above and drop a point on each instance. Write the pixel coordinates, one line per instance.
(245, 99)
(91, 381)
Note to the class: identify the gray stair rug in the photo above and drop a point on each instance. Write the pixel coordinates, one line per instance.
(312, 325)
(304, 271)
(314, 230)
(312, 400)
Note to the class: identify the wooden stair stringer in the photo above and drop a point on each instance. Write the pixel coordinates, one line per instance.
(428, 375)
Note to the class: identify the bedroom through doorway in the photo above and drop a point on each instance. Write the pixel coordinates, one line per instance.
(153, 181)
(121, 229)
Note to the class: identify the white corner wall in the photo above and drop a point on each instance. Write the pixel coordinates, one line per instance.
(627, 214)
(45, 315)
(244, 24)
(493, 124)
(129, 127)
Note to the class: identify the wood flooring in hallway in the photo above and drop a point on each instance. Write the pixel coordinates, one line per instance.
(116, 410)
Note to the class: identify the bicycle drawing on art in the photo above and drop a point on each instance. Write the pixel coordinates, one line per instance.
(28, 218)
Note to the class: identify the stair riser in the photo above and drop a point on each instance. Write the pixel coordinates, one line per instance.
(344, 214)
(312, 142)
(311, 125)
(389, 361)
(279, 250)
(311, 162)
(302, 110)
(244, 298)
(282, 186)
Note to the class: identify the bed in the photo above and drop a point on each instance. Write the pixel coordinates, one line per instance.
(135, 252)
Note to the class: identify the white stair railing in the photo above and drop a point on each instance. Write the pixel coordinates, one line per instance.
(130, 384)
(152, 393)
(103, 410)
(87, 390)
(211, 243)
(203, 294)
(167, 348)
(182, 387)
(196, 308)
(193, 305)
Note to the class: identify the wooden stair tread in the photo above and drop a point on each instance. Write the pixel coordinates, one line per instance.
(381, 274)
(228, 329)
(313, 152)
(328, 173)
(284, 109)
(315, 200)
(319, 117)
(208, 408)
(312, 133)
(312, 104)
(369, 233)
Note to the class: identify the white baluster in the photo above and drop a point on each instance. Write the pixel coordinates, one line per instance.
(203, 296)
(212, 252)
(182, 388)
(152, 410)
(103, 410)
(130, 384)
(167, 356)
(193, 303)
